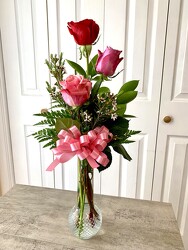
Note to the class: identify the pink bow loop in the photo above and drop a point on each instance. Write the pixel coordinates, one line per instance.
(75, 131)
(92, 135)
(102, 159)
(84, 140)
(75, 146)
(62, 134)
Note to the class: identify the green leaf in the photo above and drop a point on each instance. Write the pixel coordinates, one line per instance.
(96, 78)
(129, 141)
(118, 127)
(65, 123)
(50, 144)
(104, 90)
(44, 139)
(129, 116)
(129, 86)
(121, 108)
(77, 67)
(126, 97)
(96, 87)
(123, 138)
(121, 150)
(47, 134)
(91, 68)
(106, 151)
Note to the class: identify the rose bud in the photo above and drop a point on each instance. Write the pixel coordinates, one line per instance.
(85, 32)
(108, 61)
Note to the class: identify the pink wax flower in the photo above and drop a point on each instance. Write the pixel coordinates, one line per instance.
(108, 61)
(76, 90)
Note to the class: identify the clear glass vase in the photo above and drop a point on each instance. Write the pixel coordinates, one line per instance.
(85, 218)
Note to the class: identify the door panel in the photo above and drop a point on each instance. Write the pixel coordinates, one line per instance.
(145, 62)
(23, 27)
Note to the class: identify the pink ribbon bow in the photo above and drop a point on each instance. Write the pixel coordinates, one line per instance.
(89, 146)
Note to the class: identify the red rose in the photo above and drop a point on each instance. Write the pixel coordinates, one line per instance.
(85, 32)
(76, 90)
(108, 61)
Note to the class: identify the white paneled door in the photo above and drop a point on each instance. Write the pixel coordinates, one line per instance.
(31, 30)
(153, 37)
(171, 170)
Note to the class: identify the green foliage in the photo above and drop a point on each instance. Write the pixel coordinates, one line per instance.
(121, 108)
(123, 138)
(51, 117)
(96, 87)
(56, 96)
(126, 97)
(77, 68)
(129, 116)
(104, 108)
(129, 86)
(118, 127)
(103, 90)
(46, 134)
(50, 120)
(66, 123)
(85, 50)
(121, 150)
(91, 68)
(56, 66)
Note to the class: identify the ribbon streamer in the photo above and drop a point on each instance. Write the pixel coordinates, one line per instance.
(89, 146)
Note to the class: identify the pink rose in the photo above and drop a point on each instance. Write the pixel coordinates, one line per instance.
(108, 61)
(76, 90)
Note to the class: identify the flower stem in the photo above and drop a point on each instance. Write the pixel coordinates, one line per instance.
(81, 196)
(87, 60)
(85, 193)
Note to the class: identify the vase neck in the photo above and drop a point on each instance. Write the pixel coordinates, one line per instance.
(85, 172)
(85, 183)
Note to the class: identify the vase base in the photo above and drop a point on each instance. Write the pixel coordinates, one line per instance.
(86, 227)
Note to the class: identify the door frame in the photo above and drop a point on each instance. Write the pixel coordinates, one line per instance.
(7, 179)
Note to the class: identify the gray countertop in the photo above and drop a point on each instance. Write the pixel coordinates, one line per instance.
(36, 218)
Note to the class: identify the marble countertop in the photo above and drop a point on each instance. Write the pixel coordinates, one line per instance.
(37, 218)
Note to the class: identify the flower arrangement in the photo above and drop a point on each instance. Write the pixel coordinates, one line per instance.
(86, 119)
